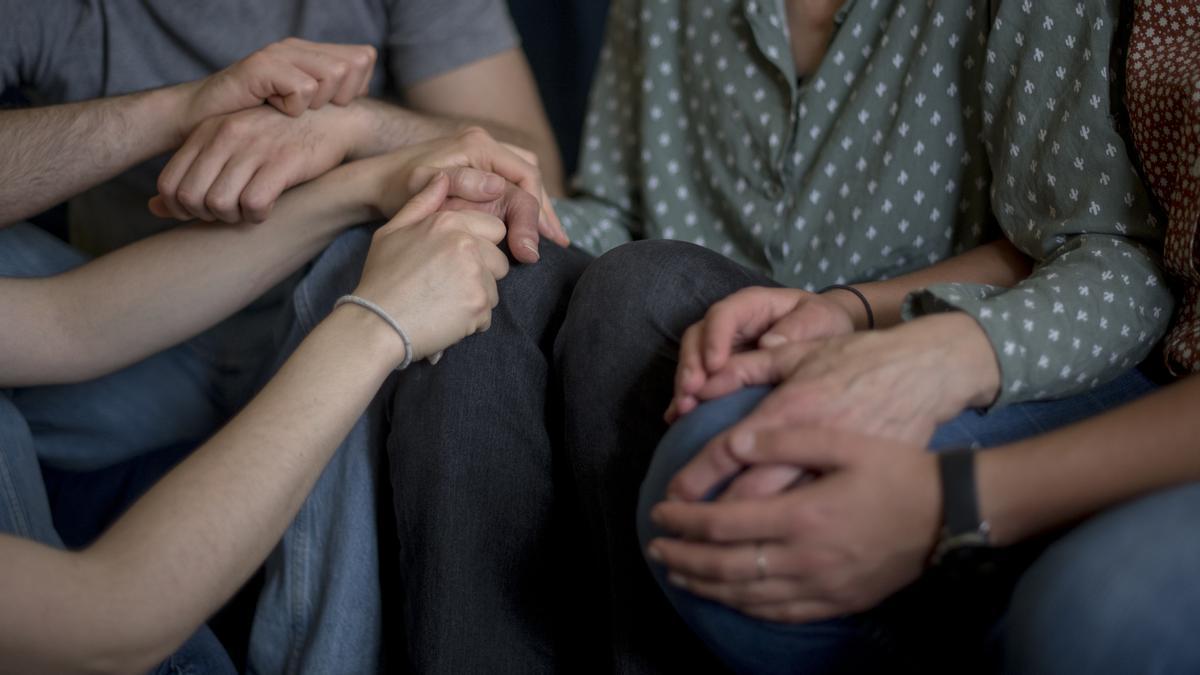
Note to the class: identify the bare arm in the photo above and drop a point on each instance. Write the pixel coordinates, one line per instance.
(133, 597)
(57, 152)
(998, 264)
(157, 292)
(103, 610)
(1058, 478)
(498, 93)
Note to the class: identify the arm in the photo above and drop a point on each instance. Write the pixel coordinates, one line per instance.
(191, 541)
(55, 153)
(771, 317)
(1058, 478)
(118, 309)
(1096, 302)
(887, 499)
(100, 317)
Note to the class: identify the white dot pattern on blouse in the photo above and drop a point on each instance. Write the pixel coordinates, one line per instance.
(929, 127)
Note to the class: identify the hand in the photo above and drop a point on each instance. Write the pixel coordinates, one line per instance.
(752, 317)
(435, 272)
(292, 75)
(836, 545)
(468, 158)
(898, 383)
(234, 167)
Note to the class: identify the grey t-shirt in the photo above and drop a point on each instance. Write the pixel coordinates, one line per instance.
(71, 50)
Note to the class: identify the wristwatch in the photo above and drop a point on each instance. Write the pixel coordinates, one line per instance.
(963, 531)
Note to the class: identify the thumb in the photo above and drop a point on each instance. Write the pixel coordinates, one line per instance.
(423, 204)
(809, 321)
(158, 207)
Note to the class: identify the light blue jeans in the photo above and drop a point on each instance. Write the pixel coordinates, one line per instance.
(320, 609)
(160, 403)
(1118, 594)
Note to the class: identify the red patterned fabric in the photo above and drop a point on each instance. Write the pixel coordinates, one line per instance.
(1163, 96)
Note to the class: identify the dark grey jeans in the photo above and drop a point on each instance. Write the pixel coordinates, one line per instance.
(516, 461)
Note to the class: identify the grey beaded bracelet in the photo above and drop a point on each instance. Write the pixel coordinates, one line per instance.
(381, 313)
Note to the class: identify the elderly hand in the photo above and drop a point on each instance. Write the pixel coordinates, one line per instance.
(898, 383)
(838, 544)
(757, 317)
(485, 175)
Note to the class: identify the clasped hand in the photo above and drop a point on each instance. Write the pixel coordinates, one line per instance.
(829, 484)
(240, 155)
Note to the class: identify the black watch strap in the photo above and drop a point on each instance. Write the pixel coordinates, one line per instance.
(961, 525)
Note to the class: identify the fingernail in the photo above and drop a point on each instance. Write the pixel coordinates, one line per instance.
(741, 443)
(493, 184)
(531, 247)
(772, 340)
(653, 553)
(677, 580)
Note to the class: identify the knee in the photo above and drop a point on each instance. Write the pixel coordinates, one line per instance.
(682, 442)
(642, 282)
(1115, 595)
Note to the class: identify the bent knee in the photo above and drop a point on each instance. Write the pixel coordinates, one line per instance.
(1115, 595)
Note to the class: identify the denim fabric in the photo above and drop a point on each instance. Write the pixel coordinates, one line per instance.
(94, 425)
(200, 655)
(616, 357)
(320, 610)
(484, 588)
(853, 644)
(1117, 595)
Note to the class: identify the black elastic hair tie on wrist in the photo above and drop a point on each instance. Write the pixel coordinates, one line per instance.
(859, 294)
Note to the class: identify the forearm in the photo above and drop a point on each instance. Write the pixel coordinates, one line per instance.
(996, 264)
(192, 541)
(56, 152)
(1058, 478)
(392, 127)
(123, 307)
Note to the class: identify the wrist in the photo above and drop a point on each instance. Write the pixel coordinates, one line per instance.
(361, 122)
(367, 334)
(855, 307)
(391, 127)
(178, 105)
(968, 362)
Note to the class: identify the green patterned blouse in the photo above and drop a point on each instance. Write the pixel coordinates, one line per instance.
(931, 126)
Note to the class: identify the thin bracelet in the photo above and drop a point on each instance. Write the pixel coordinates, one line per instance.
(381, 313)
(866, 303)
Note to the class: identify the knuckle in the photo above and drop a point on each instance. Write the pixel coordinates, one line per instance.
(221, 203)
(190, 198)
(365, 56)
(339, 70)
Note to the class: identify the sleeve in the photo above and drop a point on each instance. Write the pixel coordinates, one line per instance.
(602, 214)
(1065, 192)
(37, 40)
(427, 39)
